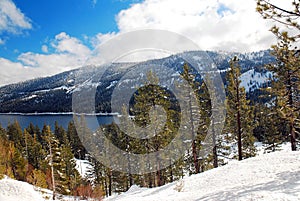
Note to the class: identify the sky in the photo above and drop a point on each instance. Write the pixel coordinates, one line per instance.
(43, 38)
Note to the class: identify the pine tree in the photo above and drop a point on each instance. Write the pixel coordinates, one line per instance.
(56, 163)
(239, 120)
(270, 128)
(5, 156)
(39, 179)
(15, 135)
(190, 91)
(78, 149)
(18, 163)
(72, 175)
(286, 84)
(148, 102)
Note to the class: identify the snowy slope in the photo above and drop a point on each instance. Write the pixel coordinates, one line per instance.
(273, 176)
(12, 190)
(54, 94)
(268, 177)
(252, 80)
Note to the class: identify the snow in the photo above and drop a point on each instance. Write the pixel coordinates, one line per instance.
(268, 177)
(113, 83)
(65, 88)
(253, 79)
(29, 97)
(12, 190)
(83, 166)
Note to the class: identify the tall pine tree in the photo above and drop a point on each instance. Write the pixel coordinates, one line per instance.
(286, 85)
(239, 121)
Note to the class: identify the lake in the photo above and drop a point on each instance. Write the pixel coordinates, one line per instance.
(93, 121)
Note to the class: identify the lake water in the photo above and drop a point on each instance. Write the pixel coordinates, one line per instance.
(93, 121)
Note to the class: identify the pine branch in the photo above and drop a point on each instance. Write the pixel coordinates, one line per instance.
(281, 9)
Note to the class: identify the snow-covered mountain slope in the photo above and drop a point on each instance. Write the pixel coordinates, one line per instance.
(268, 177)
(252, 79)
(54, 94)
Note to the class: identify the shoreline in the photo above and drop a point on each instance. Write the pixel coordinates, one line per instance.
(60, 113)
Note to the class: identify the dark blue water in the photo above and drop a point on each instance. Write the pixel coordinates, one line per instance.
(93, 121)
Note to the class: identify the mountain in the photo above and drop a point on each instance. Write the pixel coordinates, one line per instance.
(54, 94)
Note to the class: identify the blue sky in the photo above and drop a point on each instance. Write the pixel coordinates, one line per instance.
(79, 18)
(46, 37)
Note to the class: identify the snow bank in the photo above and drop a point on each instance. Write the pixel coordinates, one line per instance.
(272, 177)
(12, 190)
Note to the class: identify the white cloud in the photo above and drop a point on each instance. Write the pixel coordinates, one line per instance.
(45, 48)
(69, 53)
(100, 38)
(12, 20)
(232, 25)
(15, 72)
(63, 43)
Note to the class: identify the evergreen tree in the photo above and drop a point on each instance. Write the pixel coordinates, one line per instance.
(190, 91)
(239, 120)
(270, 128)
(18, 163)
(286, 70)
(15, 135)
(39, 179)
(78, 149)
(5, 156)
(153, 106)
(56, 163)
(72, 175)
(59, 132)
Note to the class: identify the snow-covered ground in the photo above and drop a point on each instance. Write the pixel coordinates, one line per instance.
(12, 190)
(273, 176)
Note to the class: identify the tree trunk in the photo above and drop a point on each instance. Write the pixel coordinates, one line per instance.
(52, 172)
(158, 171)
(150, 180)
(194, 148)
(130, 179)
(293, 136)
(158, 178)
(291, 120)
(171, 174)
(215, 154)
(109, 182)
(106, 187)
(238, 118)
